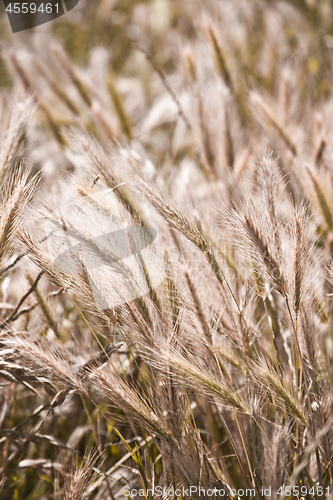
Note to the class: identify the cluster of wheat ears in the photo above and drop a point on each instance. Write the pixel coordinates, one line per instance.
(222, 375)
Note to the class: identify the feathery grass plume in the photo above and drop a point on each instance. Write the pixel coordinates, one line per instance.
(322, 200)
(14, 128)
(78, 288)
(198, 378)
(237, 89)
(95, 157)
(45, 309)
(229, 146)
(269, 179)
(75, 78)
(270, 379)
(250, 238)
(303, 249)
(190, 64)
(320, 152)
(175, 217)
(205, 138)
(43, 359)
(174, 300)
(168, 88)
(54, 85)
(309, 341)
(195, 233)
(2, 483)
(320, 308)
(15, 60)
(220, 58)
(78, 479)
(254, 442)
(269, 121)
(276, 457)
(198, 307)
(134, 404)
(16, 196)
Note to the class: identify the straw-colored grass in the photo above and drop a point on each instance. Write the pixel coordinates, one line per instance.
(205, 359)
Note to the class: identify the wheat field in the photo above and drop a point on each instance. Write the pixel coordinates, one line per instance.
(166, 252)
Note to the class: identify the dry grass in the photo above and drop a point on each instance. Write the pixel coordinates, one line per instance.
(203, 360)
